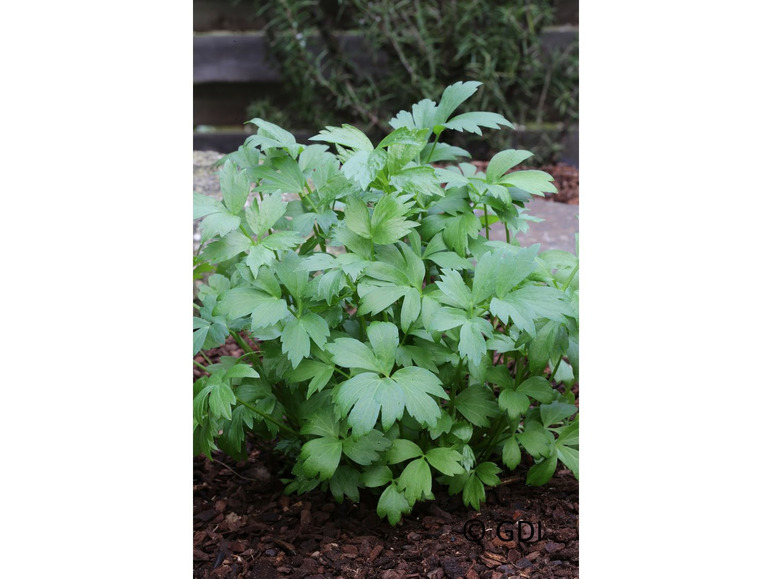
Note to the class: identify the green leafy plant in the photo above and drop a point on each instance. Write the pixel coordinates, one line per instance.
(398, 346)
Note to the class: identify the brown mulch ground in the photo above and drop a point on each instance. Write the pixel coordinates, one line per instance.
(245, 527)
(566, 180)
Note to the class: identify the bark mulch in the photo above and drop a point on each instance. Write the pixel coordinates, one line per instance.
(245, 527)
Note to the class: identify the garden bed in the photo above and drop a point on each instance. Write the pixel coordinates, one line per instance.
(244, 526)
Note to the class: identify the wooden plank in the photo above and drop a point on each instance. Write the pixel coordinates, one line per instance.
(232, 58)
(243, 57)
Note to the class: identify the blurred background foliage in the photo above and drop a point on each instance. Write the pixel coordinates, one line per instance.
(408, 50)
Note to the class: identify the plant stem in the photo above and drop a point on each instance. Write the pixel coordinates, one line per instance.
(487, 225)
(434, 146)
(202, 367)
(494, 436)
(240, 341)
(555, 370)
(268, 417)
(208, 361)
(571, 277)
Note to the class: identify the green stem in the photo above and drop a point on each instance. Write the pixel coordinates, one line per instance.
(434, 146)
(240, 341)
(571, 277)
(208, 361)
(494, 437)
(268, 417)
(555, 370)
(506, 231)
(202, 367)
(487, 225)
(308, 196)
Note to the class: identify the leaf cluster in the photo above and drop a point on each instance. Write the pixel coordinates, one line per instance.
(400, 348)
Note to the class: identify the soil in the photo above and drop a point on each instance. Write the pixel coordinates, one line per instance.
(245, 527)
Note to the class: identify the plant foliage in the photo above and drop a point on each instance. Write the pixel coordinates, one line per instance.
(399, 347)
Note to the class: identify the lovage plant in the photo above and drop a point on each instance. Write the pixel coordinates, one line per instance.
(398, 347)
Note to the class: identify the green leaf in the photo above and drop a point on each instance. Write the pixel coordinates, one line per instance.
(346, 136)
(221, 399)
(452, 97)
(415, 480)
(262, 216)
(474, 492)
(536, 440)
(411, 308)
(402, 449)
(376, 476)
(530, 303)
(358, 217)
(344, 484)
(486, 472)
(199, 337)
(366, 449)
(476, 404)
(234, 185)
(241, 371)
(271, 136)
(455, 291)
(321, 457)
(538, 388)
(375, 299)
(384, 339)
(282, 240)
(545, 344)
(512, 271)
(392, 504)
(363, 167)
(510, 453)
(445, 460)
(556, 412)
(516, 404)
(204, 205)
(388, 223)
(226, 248)
(486, 274)
(444, 319)
(471, 122)
(471, 343)
(220, 224)
(503, 162)
(316, 328)
(542, 472)
(569, 435)
(458, 229)
(418, 386)
(365, 396)
(351, 353)
(569, 457)
(295, 342)
(534, 182)
(422, 117)
(265, 310)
